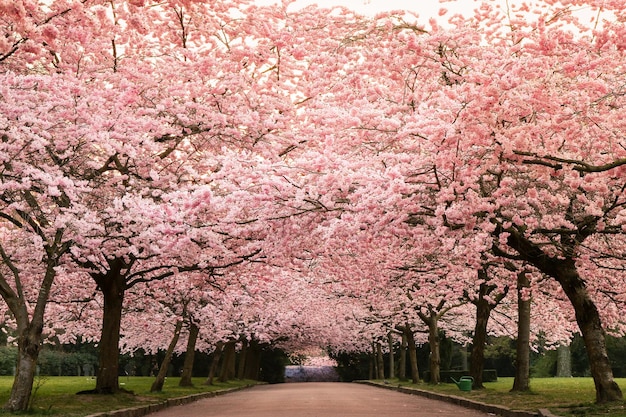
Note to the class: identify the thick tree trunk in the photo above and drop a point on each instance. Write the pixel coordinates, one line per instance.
(157, 385)
(392, 365)
(380, 361)
(435, 354)
(563, 361)
(241, 368)
(214, 363)
(29, 328)
(522, 358)
(29, 345)
(190, 353)
(410, 338)
(588, 319)
(228, 363)
(253, 360)
(402, 364)
(587, 315)
(113, 286)
(477, 357)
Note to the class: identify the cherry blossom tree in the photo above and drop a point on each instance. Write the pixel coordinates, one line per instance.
(43, 179)
(528, 172)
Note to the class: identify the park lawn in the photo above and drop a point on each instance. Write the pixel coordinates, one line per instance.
(562, 396)
(57, 395)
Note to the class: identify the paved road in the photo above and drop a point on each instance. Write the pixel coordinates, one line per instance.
(313, 399)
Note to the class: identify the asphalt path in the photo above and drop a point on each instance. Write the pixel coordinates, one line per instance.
(313, 399)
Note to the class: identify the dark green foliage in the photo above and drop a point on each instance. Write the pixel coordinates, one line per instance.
(352, 366)
(445, 351)
(617, 354)
(273, 362)
(58, 362)
(8, 359)
(500, 355)
(580, 360)
(544, 365)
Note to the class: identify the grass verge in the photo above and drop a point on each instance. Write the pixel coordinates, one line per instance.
(56, 395)
(569, 397)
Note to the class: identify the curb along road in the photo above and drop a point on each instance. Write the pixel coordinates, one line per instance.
(463, 402)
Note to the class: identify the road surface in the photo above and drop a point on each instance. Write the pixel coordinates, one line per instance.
(317, 399)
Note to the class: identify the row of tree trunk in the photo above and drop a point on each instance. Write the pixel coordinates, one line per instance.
(477, 356)
(226, 363)
(483, 311)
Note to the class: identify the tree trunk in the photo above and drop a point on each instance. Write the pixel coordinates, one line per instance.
(29, 346)
(380, 361)
(216, 359)
(402, 364)
(157, 385)
(522, 361)
(392, 365)
(253, 360)
(587, 315)
(190, 353)
(241, 368)
(477, 357)
(29, 328)
(113, 286)
(563, 361)
(588, 319)
(410, 338)
(435, 355)
(375, 361)
(228, 363)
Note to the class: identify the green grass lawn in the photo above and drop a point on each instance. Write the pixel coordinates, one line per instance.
(57, 395)
(562, 396)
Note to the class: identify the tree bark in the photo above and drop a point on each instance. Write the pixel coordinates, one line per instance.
(380, 361)
(402, 364)
(563, 361)
(214, 363)
(29, 328)
(29, 346)
(483, 313)
(157, 385)
(435, 354)
(253, 360)
(190, 353)
(228, 363)
(410, 338)
(392, 365)
(113, 287)
(563, 269)
(522, 357)
(374, 361)
(241, 368)
(477, 356)
(588, 319)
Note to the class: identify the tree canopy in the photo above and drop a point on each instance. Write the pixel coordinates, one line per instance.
(309, 178)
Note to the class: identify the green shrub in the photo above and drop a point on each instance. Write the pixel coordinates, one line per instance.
(8, 359)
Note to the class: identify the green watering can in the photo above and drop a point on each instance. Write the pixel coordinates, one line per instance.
(464, 383)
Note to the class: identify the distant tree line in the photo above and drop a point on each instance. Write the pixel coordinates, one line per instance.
(499, 356)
